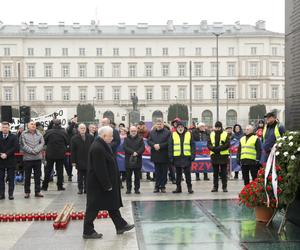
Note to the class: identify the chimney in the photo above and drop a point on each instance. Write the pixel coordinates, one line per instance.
(93, 25)
(260, 25)
(61, 24)
(76, 25)
(31, 26)
(121, 25)
(185, 25)
(24, 26)
(203, 25)
(42, 25)
(237, 25)
(170, 25)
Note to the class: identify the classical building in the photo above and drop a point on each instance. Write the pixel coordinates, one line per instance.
(63, 65)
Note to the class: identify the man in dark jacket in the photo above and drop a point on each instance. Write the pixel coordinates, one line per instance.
(249, 153)
(134, 148)
(56, 140)
(8, 147)
(219, 144)
(158, 141)
(181, 154)
(236, 135)
(80, 146)
(103, 186)
(201, 134)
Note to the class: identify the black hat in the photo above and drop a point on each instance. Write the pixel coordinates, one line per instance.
(141, 123)
(270, 114)
(179, 123)
(218, 124)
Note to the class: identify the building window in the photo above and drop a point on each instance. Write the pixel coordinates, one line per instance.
(213, 69)
(131, 51)
(198, 69)
(253, 69)
(31, 94)
(82, 69)
(99, 69)
(100, 93)
(165, 69)
(198, 51)
(283, 69)
(65, 93)
(182, 93)
(132, 92)
(47, 51)
(30, 70)
(132, 69)
(148, 52)
(231, 51)
(82, 51)
(115, 51)
(7, 71)
(181, 52)
(214, 51)
(116, 93)
(149, 93)
(82, 94)
(181, 69)
(30, 51)
(253, 92)
(214, 92)
(99, 51)
(48, 71)
(116, 70)
(65, 70)
(275, 92)
(231, 69)
(230, 91)
(65, 52)
(198, 92)
(165, 93)
(207, 117)
(48, 94)
(148, 69)
(253, 51)
(6, 51)
(274, 51)
(165, 52)
(8, 94)
(275, 69)
(231, 117)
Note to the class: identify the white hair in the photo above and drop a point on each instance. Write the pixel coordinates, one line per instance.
(250, 127)
(105, 130)
(81, 125)
(201, 124)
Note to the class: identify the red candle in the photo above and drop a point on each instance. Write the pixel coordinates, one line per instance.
(54, 215)
(105, 214)
(48, 216)
(42, 216)
(29, 217)
(11, 218)
(99, 215)
(80, 216)
(4, 218)
(73, 216)
(1, 217)
(23, 217)
(17, 217)
(36, 217)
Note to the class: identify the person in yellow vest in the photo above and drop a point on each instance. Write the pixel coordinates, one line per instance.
(218, 144)
(249, 153)
(271, 132)
(181, 154)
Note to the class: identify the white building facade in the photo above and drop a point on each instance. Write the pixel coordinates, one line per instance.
(64, 65)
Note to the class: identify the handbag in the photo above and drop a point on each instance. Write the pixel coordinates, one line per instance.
(133, 160)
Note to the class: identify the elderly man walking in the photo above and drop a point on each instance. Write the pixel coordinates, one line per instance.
(103, 186)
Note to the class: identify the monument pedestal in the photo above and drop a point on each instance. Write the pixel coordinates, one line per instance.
(134, 117)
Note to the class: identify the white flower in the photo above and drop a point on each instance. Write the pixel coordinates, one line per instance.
(291, 144)
(284, 137)
(277, 153)
(298, 149)
(293, 157)
(280, 144)
(285, 154)
(291, 137)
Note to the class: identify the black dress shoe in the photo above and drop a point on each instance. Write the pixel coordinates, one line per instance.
(128, 192)
(214, 190)
(173, 182)
(177, 191)
(190, 190)
(38, 195)
(80, 192)
(11, 197)
(61, 189)
(163, 190)
(27, 195)
(156, 190)
(94, 235)
(2, 197)
(84, 191)
(125, 228)
(137, 192)
(206, 178)
(70, 178)
(225, 190)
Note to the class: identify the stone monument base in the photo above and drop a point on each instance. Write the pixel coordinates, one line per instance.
(134, 117)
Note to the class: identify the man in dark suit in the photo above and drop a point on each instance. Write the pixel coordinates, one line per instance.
(103, 186)
(8, 147)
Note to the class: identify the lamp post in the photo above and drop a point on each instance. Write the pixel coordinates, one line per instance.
(217, 69)
(176, 106)
(94, 98)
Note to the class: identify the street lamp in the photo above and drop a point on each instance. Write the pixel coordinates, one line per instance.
(176, 106)
(217, 34)
(94, 98)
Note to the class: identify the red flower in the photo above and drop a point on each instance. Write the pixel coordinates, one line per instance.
(270, 178)
(280, 178)
(278, 168)
(279, 190)
(269, 188)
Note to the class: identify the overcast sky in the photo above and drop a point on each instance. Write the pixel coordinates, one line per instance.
(150, 11)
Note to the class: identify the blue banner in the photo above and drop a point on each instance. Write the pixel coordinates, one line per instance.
(234, 146)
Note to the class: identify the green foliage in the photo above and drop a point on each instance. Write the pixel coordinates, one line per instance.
(85, 112)
(178, 110)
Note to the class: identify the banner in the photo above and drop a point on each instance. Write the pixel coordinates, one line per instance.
(234, 146)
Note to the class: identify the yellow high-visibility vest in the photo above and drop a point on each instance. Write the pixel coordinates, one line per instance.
(248, 150)
(276, 132)
(223, 137)
(186, 144)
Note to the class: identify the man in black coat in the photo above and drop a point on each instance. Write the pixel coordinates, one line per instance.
(8, 147)
(80, 145)
(134, 148)
(103, 186)
(158, 141)
(56, 140)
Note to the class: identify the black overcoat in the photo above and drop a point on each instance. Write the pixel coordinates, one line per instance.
(56, 140)
(9, 146)
(131, 145)
(103, 174)
(160, 137)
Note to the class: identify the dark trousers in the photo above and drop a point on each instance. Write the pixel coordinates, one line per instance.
(161, 173)
(198, 175)
(137, 174)
(91, 214)
(171, 173)
(187, 174)
(68, 165)
(34, 166)
(11, 180)
(59, 172)
(216, 168)
(81, 179)
(253, 169)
